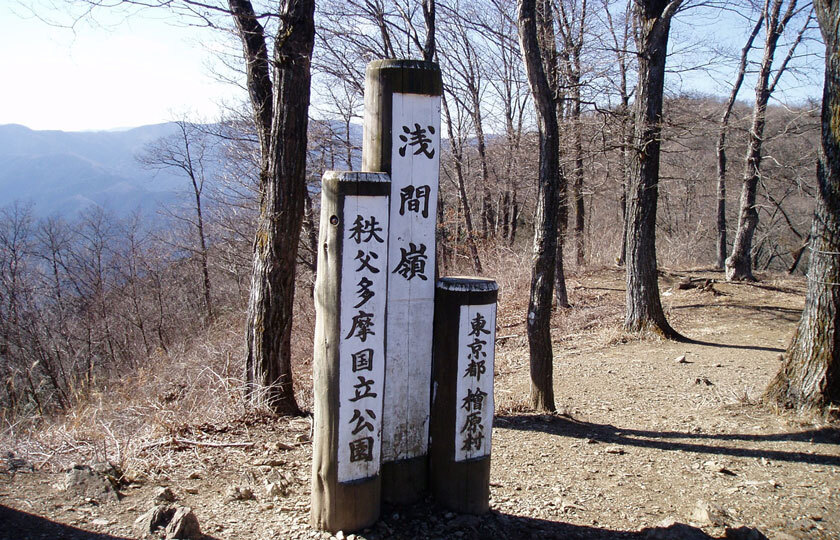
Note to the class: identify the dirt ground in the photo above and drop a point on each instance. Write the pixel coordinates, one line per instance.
(652, 439)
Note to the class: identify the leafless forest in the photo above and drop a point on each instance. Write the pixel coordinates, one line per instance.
(92, 301)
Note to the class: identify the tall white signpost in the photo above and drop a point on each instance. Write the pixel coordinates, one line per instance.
(402, 137)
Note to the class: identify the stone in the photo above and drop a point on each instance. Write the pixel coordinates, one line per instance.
(158, 517)
(183, 526)
(235, 493)
(707, 514)
(274, 489)
(85, 482)
(465, 521)
(681, 360)
(164, 495)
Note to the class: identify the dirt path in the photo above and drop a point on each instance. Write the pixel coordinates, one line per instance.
(640, 440)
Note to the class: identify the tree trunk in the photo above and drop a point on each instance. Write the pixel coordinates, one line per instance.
(457, 154)
(810, 374)
(577, 185)
(545, 220)
(739, 263)
(644, 309)
(721, 146)
(282, 185)
(202, 240)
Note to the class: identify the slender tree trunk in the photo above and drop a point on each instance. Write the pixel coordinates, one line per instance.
(625, 159)
(202, 240)
(644, 308)
(545, 220)
(457, 153)
(577, 185)
(514, 218)
(721, 146)
(621, 47)
(282, 184)
(810, 374)
(488, 221)
(739, 263)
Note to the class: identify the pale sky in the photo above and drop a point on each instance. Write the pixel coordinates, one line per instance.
(141, 69)
(121, 73)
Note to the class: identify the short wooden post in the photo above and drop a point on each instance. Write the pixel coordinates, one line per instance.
(462, 393)
(349, 366)
(402, 138)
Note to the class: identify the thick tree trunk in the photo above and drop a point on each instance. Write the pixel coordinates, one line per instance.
(545, 220)
(644, 309)
(810, 374)
(283, 184)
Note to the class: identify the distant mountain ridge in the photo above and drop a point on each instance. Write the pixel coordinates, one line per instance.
(63, 172)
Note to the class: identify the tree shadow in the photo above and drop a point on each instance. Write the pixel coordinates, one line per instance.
(789, 314)
(429, 520)
(19, 525)
(565, 426)
(693, 341)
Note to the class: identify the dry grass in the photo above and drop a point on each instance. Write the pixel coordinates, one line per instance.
(198, 382)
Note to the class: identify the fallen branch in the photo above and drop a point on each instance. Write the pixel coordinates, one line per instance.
(188, 442)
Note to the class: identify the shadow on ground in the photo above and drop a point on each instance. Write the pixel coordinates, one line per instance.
(18, 525)
(565, 426)
(428, 520)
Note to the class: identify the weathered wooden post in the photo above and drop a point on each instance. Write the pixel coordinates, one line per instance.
(402, 138)
(462, 394)
(349, 367)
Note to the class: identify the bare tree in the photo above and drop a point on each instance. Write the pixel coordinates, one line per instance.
(810, 374)
(619, 35)
(188, 151)
(644, 308)
(721, 145)
(279, 93)
(739, 263)
(572, 23)
(545, 227)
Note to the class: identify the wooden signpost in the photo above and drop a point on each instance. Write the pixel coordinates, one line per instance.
(349, 367)
(462, 399)
(402, 138)
(380, 318)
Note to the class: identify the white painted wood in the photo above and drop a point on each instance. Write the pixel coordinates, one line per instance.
(415, 161)
(361, 347)
(474, 389)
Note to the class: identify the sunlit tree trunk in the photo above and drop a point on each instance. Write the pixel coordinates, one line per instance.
(721, 146)
(644, 308)
(545, 219)
(739, 263)
(810, 374)
(281, 117)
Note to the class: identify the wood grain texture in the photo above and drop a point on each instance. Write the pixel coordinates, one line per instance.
(406, 93)
(335, 505)
(460, 486)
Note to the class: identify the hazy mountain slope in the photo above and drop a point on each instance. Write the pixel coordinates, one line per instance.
(64, 172)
